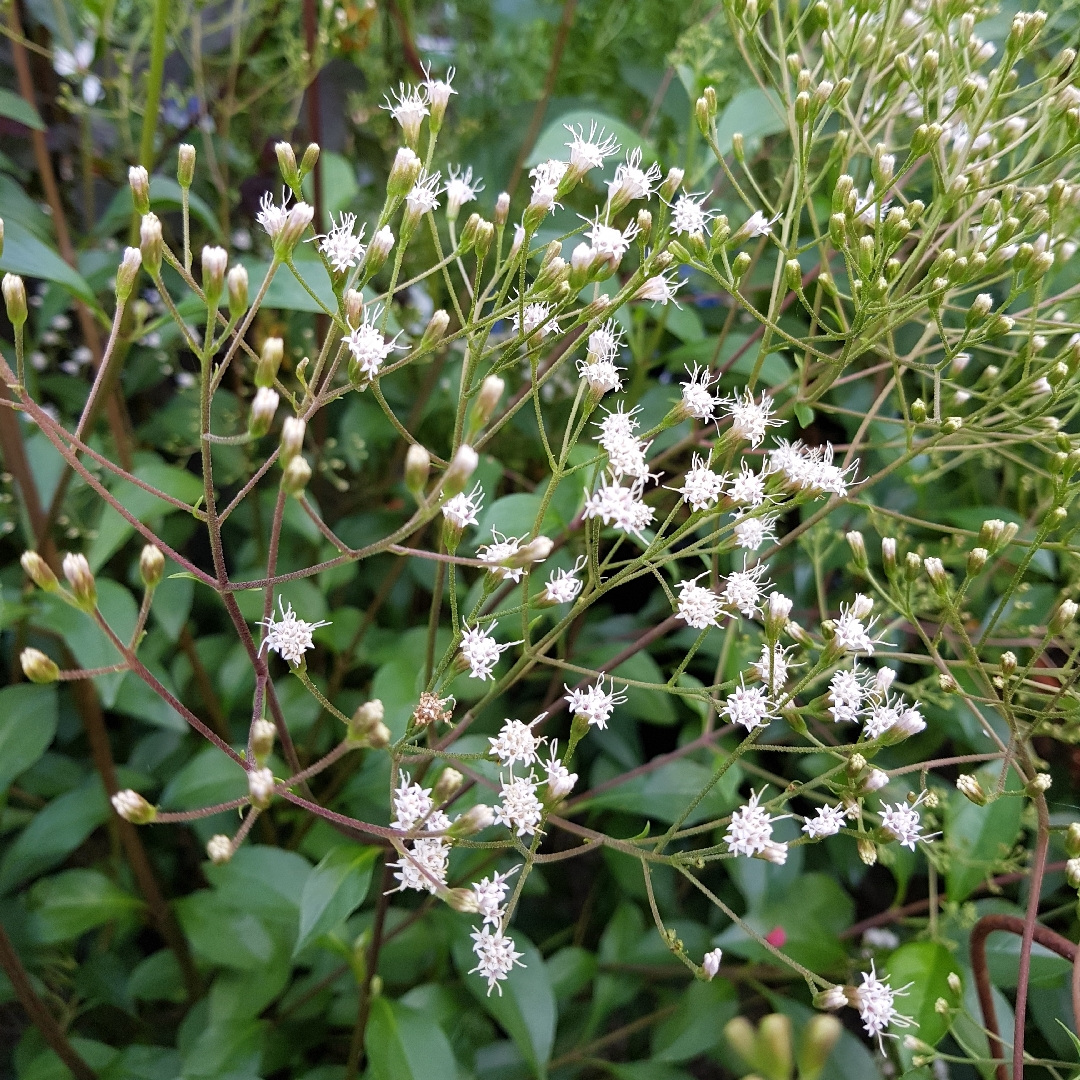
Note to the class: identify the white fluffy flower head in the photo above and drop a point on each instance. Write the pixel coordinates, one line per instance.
(689, 215)
(828, 822)
(698, 607)
(367, 344)
(520, 809)
(696, 399)
(588, 152)
(749, 706)
(620, 506)
(743, 589)
(461, 509)
(499, 550)
(750, 830)
(876, 1009)
(460, 189)
(289, 636)
(563, 586)
(516, 742)
(701, 486)
(481, 651)
(341, 246)
(594, 702)
(495, 956)
(750, 419)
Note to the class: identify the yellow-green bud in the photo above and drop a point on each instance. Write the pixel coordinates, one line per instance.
(1062, 616)
(968, 785)
(366, 720)
(263, 407)
(15, 299)
(37, 570)
(491, 389)
(270, 357)
(237, 284)
(1008, 662)
(77, 571)
(918, 410)
(818, 1039)
(309, 160)
(296, 476)
(912, 565)
(1072, 840)
(435, 329)
(127, 272)
(461, 468)
(447, 786)
(976, 560)
(131, 806)
(287, 164)
(151, 244)
(741, 1038)
(403, 174)
(417, 469)
(262, 740)
(292, 439)
(38, 667)
(151, 566)
(139, 182)
(740, 265)
(858, 548)
(774, 1046)
(185, 165)
(474, 820)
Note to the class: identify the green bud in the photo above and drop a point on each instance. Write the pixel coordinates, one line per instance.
(918, 410)
(270, 357)
(185, 164)
(37, 570)
(15, 299)
(287, 164)
(139, 182)
(774, 1057)
(151, 566)
(296, 476)
(236, 282)
(820, 1035)
(740, 264)
(309, 160)
(38, 667)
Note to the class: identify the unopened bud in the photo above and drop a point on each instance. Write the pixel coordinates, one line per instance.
(403, 174)
(491, 389)
(185, 165)
(912, 565)
(980, 308)
(947, 683)
(777, 612)
(935, 571)
(15, 299)
(286, 159)
(461, 468)
(77, 571)
(263, 407)
(1063, 616)
(672, 183)
(502, 208)
(296, 476)
(968, 785)
(976, 560)
(855, 764)
(858, 549)
(867, 851)
(296, 224)
(365, 720)
(888, 555)
(1008, 662)
(292, 439)
(262, 740)
(742, 1038)
(139, 182)
(1072, 873)
(447, 786)
(739, 265)
(38, 667)
(237, 285)
(270, 357)
(918, 410)
(309, 160)
(1039, 785)
(875, 780)
(37, 570)
(774, 1045)
(127, 272)
(793, 275)
(151, 565)
(382, 243)
(821, 1034)
(417, 469)
(710, 963)
(260, 787)
(151, 244)
(219, 849)
(832, 999)
(435, 330)
(131, 806)
(474, 820)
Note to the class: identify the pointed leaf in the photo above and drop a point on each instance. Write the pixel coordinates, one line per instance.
(405, 1044)
(333, 891)
(27, 725)
(25, 254)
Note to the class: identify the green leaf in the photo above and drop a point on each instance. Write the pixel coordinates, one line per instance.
(979, 837)
(223, 936)
(805, 414)
(25, 254)
(285, 292)
(209, 777)
(165, 195)
(19, 109)
(703, 1010)
(338, 182)
(69, 904)
(55, 833)
(554, 138)
(754, 113)
(28, 716)
(404, 1044)
(924, 968)
(157, 978)
(333, 891)
(525, 1008)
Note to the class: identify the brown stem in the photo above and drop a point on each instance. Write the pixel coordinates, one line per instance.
(371, 963)
(35, 1008)
(204, 684)
(614, 1036)
(1042, 842)
(1011, 924)
(569, 7)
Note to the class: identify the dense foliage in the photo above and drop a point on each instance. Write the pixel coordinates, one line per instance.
(616, 617)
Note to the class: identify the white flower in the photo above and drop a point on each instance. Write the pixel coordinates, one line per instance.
(710, 963)
(875, 1003)
(749, 706)
(516, 742)
(424, 196)
(743, 590)
(773, 668)
(696, 399)
(601, 375)
(495, 956)
(438, 90)
(409, 110)
(846, 692)
(367, 345)
(412, 804)
(757, 224)
(701, 486)
(851, 633)
(698, 607)
(751, 532)
(626, 456)
(546, 178)
(750, 830)
(902, 822)
(660, 288)
(750, 419)
(260, 786)
(829, 821)
(503, 548)
(482, 651)
(537, 320)
(560, 780)
(911, 722)
(76, 65)
(520, 809)
(620, 506)
(605, 342)
(689, 215)
(424, 866)
(608, 242)
(343, 249)
(876, 779)
(589, 153)
(460, 189)
(271, 216)
(489, 895)
(289, 636)
(747, 488)
(219, 849)
(810, 470)
(563, 586)
(594, 703)
(866, 208)
(877, 937)
(631, 182)
(461, 509)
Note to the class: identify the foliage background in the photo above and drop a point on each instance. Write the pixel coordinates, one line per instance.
(278, 935)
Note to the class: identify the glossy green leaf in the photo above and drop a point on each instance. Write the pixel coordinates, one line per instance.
(924, 968)
(165, 196)
(26, 254)
(55, 832)
(68, 904)
(28, 715)
(333, 891)
(525, 1008)
(978, 837)
(404, 1044)
(209, 777)
(703, 1010)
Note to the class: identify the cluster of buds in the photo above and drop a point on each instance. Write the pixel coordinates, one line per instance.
(367, 728)
(769, 1049)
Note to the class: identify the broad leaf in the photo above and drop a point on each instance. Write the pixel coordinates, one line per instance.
(27, 725)
(702, 1012)
(68, 904)
(979, 837)
(25, 254)
(165, 195)
(19, 109)
(924, 968)
(752, 113)
(405, 1044)
(333, 891)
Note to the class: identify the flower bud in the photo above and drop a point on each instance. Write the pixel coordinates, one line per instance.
(131, 806)
(888, 555)
(1072, 840)
(976, 560)
(237, 285)
(821, 1034)
(491, 389)
(185, 164)
(15, 299)
(968, 785)
(1062, 616)
(417, 469)
(710, 963)
(219, 849)
(474, 820)
(270, 357)
(980, 308)
(296, 476)
(1039, 785)
(742, 1038)
(947, 683)
(260, 787)
(793, 275)
(353, 303)
(447, 786)
(875, 781)
(382, 243)
(365, 720)
(912, 565)
(485, 234)
(739, 265)
(262, 740)
(379, 736)
(139, 182)
(738, 147)
(263, 407)
(151, 566)
(832, 999)
(1072, 873)
(310, 159)
(286, 159)
(77, 571)
(403, 174)
(461, 468)
(856, 763)
(918, 410)
(776, 615)
(151, 244)
(127, 272)
(858, 549)
(502, 209)
(935, 571)
(296, 224)
(1008, 662)
(1000, 325)
(672, 183)
(37, 570)
(774, 1045)
(774, 853)
(38, 667)
(292, 439)
(214, 261)
(867, 850)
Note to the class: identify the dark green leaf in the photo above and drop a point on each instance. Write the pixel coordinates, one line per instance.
(404, 1044)
(68, 904)
(979, 837)
(19, 109)
(702, 1012)
(924, 968)
(25, 254)
(27, 725)
(333, 891)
